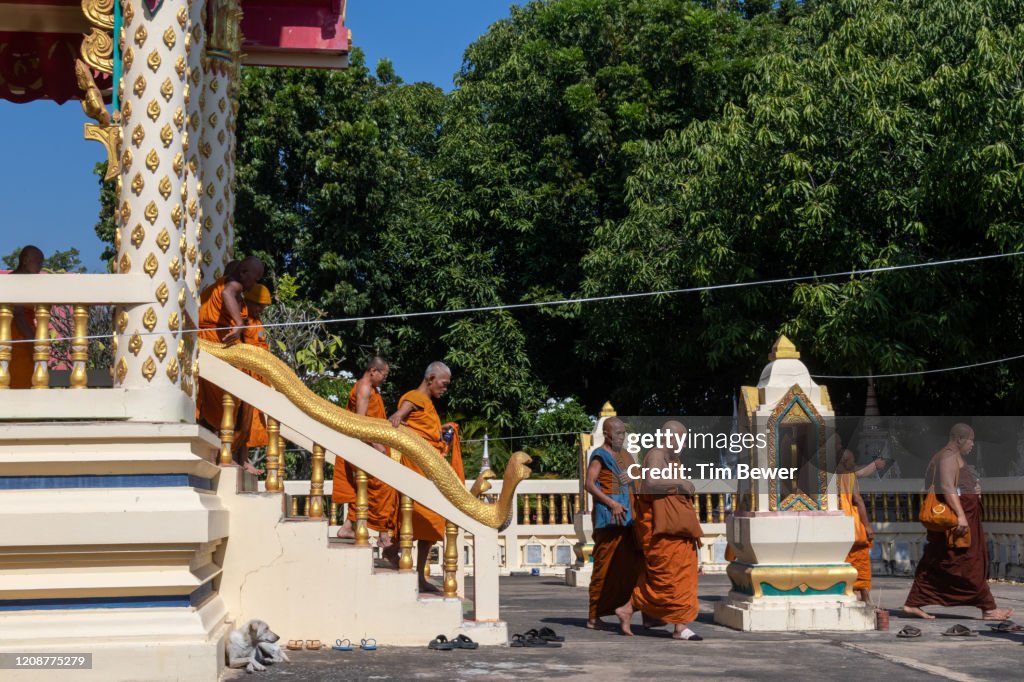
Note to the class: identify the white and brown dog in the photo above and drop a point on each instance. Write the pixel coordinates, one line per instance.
(253, 647)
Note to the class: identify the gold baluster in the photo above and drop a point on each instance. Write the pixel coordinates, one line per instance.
(1018, 507)
(315, 503)
(721, 507)
(540, 509)
(874, 509)
(896, 508)
(41, 352)
(451, 559)
(405, 535)
(565, 508)
(334, 513)
(80, 347)
(281, 445)
(575, 504)
(227, 429)
(697, 507)
(526, 509)
(273, 482)
(6, 317)
(362, 510)
(552, 510)
(295, 505)
(885, 508)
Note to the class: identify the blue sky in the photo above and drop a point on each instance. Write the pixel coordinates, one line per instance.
(48, 191)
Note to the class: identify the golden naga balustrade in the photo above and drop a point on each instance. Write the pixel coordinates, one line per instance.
(372, 430)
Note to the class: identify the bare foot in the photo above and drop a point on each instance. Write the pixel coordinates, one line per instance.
(915, 612)
(997, 614)
(595, 625)
(249, 468)
(345, 532)
(649, 622)
(624, 617)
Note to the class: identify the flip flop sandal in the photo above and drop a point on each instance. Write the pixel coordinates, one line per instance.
(1006, 626)
(294, 645)
(464, 642)
(550, 635)
(959, 631)
(694, 638)
(342, 645)
(368, 644)
(908, 632)
(314, 644)
(441, 643)
(521, 641)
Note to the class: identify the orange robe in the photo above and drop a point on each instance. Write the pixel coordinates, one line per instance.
(667, 586)
(860, 555)
(254, 334)
(206, 293)
(617, 558)
(427, 525)
(21, 365)
(213, 316)
(382, 499)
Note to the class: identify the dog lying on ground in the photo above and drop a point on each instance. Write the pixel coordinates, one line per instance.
(254, 646)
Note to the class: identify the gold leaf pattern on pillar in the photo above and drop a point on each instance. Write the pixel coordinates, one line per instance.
(153, 61)
(167, 89)
(184, 191)
(165, 187)
(167, 135)
(128, 12)
(212, 120)
(176, 214)
(138, 234)
(135, 344)
(152, 161)
(126, 263)
(170, 38)
(183, 15)
(220, 206)
(126, 159)
(138, 184)
(221, 137)
(152, 212)
(163, 240)
(181, 302)
(153, 110)
(151, 265)
(140, 35)
(122, 370)
(180, 68)
(207, 257)
(193, 121)
(178, 164)
(214, 85)
(205, 148)
(160, 348)
(127, 59)
(138, 135)
(117, 239)
(172, 321)
(149, 319)
(219, 240)
(172, 370)
(211, 189)
(181, 350)
(220, 172)
(179, 118)
(182, 245)
(122, 321)
(199, 280)
(162, 293)
(126, 110)
(222, 105)
(126, 212)
(149, 369)
(192, 254)
(193, 208)
(174, 267)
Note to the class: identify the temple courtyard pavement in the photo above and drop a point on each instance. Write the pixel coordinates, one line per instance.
(533, 602)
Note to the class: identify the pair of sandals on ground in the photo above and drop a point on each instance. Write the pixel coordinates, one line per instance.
(958, 630)
(545, 637)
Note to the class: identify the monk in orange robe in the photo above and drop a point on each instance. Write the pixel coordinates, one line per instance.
(256, 301)
(230, 270)
(222, 320)
(416, 410)
(617, 558)
(666, 590)
(30, 262)
(852, 504)
(382, 499)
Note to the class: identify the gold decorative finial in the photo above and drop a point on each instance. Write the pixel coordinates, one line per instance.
(783, 350)
(607, 410)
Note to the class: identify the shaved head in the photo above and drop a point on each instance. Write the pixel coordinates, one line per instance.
(30, 261)
(378, 363)
(437, 369)
(250, 270)
(231, 269)
(614, 430)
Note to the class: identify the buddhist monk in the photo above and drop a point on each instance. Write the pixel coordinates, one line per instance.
(230, 270)
(948, 575)
(666, 590)
(416, 410)
(30, 262)
(382, 500)
(256, 301)
(222, 319)
(617, 558)
(852, 504)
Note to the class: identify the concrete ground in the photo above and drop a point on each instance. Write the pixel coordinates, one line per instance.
(724, 654)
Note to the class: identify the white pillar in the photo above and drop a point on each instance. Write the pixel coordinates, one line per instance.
(219, 102)
(156, 230)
